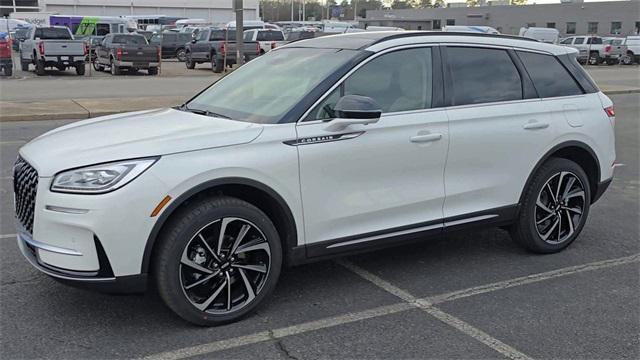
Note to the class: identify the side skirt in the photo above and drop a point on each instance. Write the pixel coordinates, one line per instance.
(402, 235)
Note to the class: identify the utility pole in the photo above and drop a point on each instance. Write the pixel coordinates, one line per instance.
(291, 10)
(237, 7)
(355, 10)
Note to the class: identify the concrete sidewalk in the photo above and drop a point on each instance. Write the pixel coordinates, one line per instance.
(87, 108)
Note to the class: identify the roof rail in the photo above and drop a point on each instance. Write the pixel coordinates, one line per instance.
(448, 33)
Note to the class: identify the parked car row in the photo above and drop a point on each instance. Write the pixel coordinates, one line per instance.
(595, 50)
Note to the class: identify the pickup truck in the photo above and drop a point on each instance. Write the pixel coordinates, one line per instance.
(212, 45)
(52, 46)
(267, 38)
(129, 52)
(614, 50)
(632, 45)
(590, 48)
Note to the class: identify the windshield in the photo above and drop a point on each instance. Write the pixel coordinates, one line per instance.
(266, 88)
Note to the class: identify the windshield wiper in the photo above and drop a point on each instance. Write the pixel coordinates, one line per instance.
(184, 107)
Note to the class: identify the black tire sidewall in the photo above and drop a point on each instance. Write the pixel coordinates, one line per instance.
(526, 232)
(183, 227)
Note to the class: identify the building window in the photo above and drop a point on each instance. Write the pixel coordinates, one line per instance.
(436, 25)
(592, 28)
(637, 29)
(551, 25)
(571, 28)
(451, 22)
(616, 27)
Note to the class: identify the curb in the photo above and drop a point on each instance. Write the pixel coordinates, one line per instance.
(77, 109)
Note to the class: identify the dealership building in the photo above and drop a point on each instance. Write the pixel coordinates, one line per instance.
(570, 17)
(212, 10)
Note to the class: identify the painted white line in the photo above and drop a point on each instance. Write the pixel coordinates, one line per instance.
(6, 178)
(411, 302)
(448, 319)
(279, 333)
(8, 236)
(532, 279)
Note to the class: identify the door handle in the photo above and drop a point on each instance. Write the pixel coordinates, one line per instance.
(534, 125)
(426, 138)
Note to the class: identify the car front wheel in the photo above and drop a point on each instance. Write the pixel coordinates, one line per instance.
(217, 260)
(555, 207)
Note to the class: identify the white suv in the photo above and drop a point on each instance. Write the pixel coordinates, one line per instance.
(319, 148)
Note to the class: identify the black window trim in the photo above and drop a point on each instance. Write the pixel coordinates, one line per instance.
(448, 79)
(436, 56)
(563, 64)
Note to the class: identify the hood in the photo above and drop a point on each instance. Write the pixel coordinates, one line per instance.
(132, 135)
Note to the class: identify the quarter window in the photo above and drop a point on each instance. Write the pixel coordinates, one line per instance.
(398, 81)
(549, 77)
(483, 76)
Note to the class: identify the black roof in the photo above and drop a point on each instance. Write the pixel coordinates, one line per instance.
(362, 40)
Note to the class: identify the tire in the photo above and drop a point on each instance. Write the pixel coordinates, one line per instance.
(115, 70)
(24, 65)
(627, 60)
(8, 70)
(181, 55)
(40, 68)
(540, 215)
(190, 63)
(97, 66)
(153, 71)
(594, 59)
(181, 250)
(80, 69)
(217, 66)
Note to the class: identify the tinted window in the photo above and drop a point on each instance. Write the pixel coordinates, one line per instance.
(549, 76)
(566, 41)
(129, 40)
(398, 81)
(53, 33)
(217, 35)
(579, 41)
(595, 41)
(483, 75)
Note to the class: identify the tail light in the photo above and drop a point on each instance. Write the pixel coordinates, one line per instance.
(258, 47)
(86, 48)
(119, 54)
(41, 48)
(273, 45)
(607, 48)
(223, 48)
(610, 111)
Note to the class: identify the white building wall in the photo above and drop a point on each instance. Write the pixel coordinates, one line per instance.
(213, 10)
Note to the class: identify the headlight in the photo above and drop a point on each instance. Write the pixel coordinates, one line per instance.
(100, 179)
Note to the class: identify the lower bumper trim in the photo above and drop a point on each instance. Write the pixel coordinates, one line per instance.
(42, 246)
(600, 189)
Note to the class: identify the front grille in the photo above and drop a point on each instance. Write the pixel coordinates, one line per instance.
(25, 186)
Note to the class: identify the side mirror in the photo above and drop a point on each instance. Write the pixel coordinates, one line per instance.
(193, 41)
(354, 110)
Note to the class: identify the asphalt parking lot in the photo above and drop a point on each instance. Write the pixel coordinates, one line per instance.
(471, 295)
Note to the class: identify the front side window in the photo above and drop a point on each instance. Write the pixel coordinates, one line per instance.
(566, 41)
(571, 28)
(483, 76)
(549, 77)
(398, 81)
(267, 88)
(579, 40)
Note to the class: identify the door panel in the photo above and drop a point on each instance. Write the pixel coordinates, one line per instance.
(381, 176)
(377, 180)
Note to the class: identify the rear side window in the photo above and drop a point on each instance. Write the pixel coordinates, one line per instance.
(483, 76)
(549, 77)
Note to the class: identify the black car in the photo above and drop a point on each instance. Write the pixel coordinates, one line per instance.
(173, 44)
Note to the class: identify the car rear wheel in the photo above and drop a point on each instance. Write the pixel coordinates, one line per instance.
(594, 59)
(80, 69)
(189, 63)
(217, 66)
(97, 66)
(40, 67)
(115, 70)
(153, 71)
(217, 260)
(181, 55)
(555, 207)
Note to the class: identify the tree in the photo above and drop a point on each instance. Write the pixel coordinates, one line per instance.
(422, 4)
(438, 4)
(472, 3)
(518, 2)
(401, 4)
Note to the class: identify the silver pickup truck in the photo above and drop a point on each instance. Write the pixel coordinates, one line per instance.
(52, 46)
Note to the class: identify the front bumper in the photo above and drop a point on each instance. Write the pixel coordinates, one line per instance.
(101, 280)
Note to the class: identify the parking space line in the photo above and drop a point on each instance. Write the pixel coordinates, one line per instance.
(8, 236)
(279, 333)
(12, 142)
(444, 317)
(410, 302)
(531, 279)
